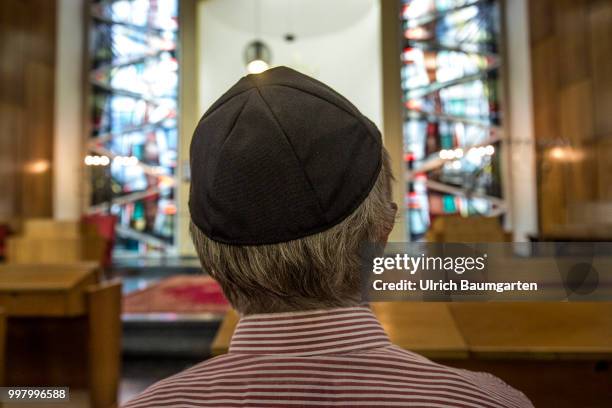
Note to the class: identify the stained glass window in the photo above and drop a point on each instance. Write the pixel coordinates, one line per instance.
(452, 118)
(134, 123)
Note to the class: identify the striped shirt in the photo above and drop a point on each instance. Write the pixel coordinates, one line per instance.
(340, 357)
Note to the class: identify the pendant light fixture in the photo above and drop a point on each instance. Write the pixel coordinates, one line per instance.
(257, 55)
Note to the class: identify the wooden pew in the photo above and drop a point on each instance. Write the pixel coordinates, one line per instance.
(221, 342)
(51, 241)
(63, 329)
(104, 345)
(558, 353)
(425, 328)
(579, 330)
(455, 228)
(576, 330)
(2, 346)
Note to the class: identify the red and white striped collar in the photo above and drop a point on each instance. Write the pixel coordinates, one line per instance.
(314, 332)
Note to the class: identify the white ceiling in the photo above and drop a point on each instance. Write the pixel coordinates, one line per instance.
(303, 18)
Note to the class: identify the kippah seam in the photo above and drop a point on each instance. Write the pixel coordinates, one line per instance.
(207, 114)
(294, 153)
(316, 96)
(329, 88)
(359, 118)
(229, 134)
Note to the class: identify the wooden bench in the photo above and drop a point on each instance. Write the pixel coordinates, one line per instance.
(562, 330)
(514, 330)
(2, 346)
(63, 329)
(425, 328)
(51, 241)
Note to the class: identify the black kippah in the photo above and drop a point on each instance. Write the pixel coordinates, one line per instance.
(278, 157)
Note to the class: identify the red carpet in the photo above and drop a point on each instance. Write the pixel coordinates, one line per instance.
(178, 294)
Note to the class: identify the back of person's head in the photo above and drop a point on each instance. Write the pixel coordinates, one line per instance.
(289, 179)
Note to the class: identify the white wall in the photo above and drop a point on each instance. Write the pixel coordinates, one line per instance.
(345, 55)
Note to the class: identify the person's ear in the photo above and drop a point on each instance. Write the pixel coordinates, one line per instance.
(394, 207)
(389, 225)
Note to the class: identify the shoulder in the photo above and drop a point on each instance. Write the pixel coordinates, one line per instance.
(496, 388)
(186, 387)
(489, 387)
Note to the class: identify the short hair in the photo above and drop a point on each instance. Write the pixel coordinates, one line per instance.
(315, 272)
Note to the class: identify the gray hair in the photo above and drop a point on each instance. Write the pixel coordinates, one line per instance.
(315, 272)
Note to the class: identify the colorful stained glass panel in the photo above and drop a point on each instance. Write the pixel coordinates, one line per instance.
(134, 90)
(452, 127)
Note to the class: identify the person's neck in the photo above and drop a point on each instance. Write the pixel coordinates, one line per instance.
(298, 310)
